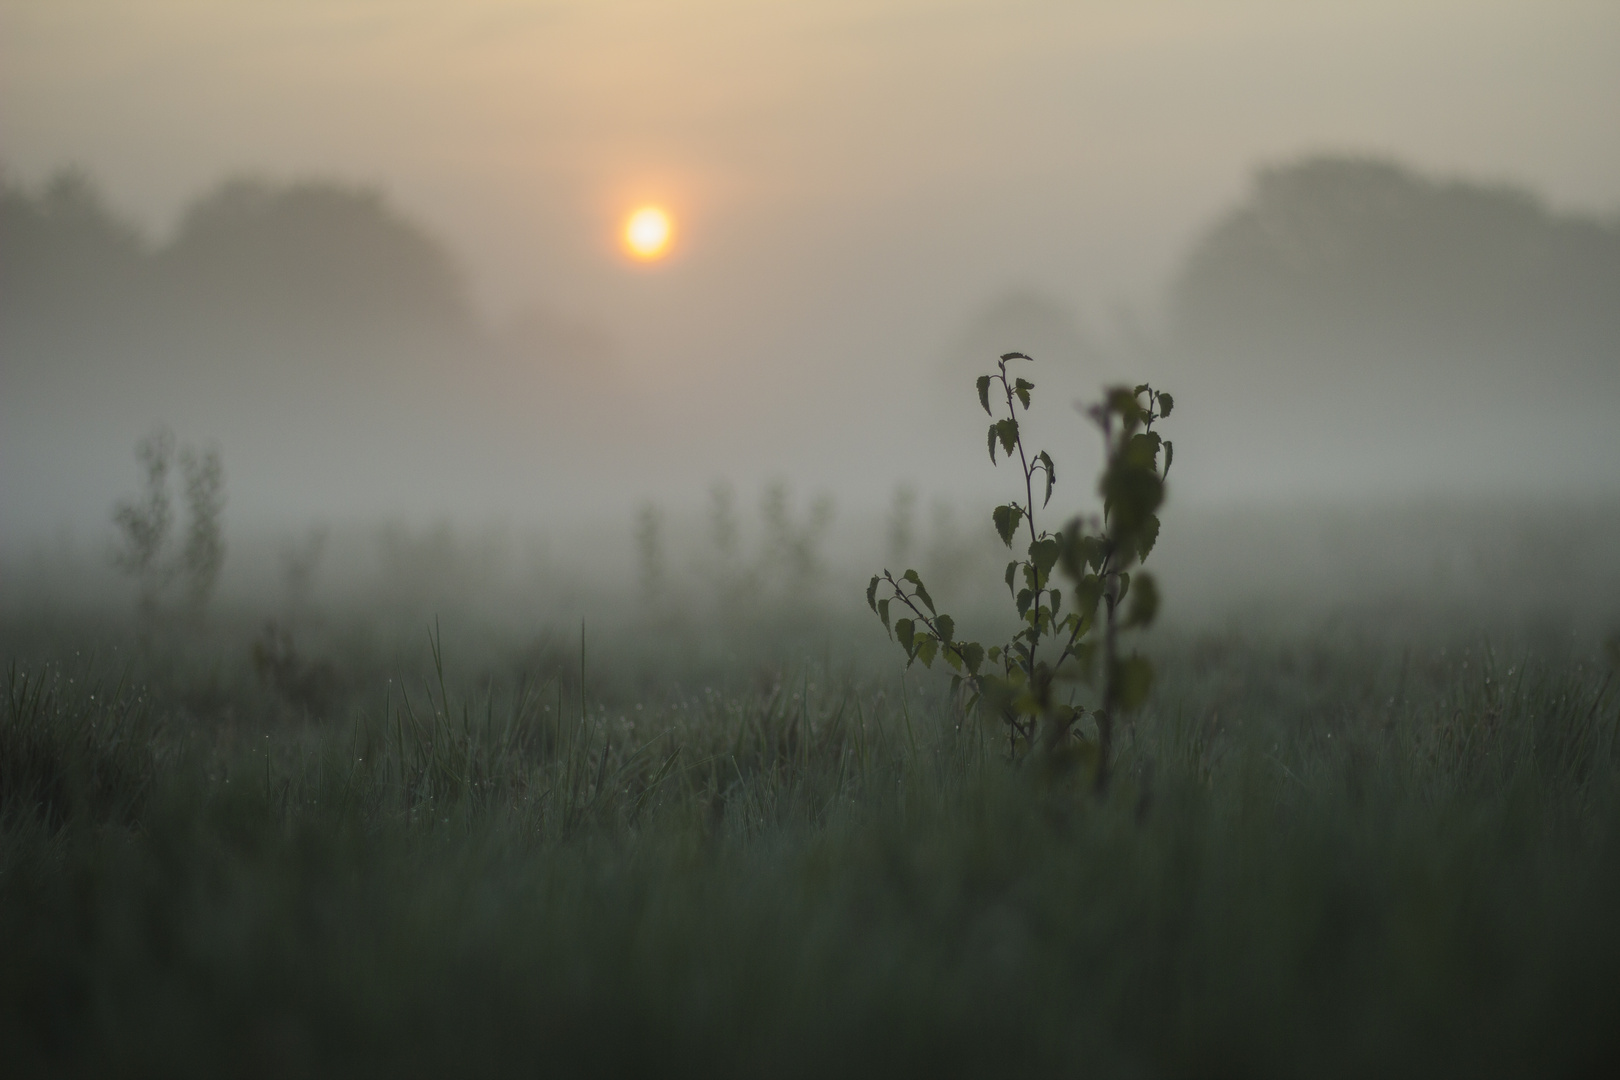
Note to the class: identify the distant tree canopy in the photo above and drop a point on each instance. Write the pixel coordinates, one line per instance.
(254, 270)
(313, 253)
(1334, 260)
(63, 253)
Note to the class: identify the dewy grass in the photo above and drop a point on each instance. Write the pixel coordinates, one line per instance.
(1345, 866)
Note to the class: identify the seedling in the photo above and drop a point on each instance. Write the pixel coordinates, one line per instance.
(1029, 681)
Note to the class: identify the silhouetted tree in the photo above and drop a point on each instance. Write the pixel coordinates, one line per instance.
(315, 257)
(1335, 260)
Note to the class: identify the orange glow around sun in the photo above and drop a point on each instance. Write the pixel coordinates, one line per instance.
(647, 233)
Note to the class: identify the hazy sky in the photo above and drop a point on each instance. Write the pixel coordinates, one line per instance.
(851, 180)
(971, 144)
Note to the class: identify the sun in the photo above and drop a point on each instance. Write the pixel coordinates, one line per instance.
(647, 233)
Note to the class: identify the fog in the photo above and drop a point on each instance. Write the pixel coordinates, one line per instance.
(368, 252)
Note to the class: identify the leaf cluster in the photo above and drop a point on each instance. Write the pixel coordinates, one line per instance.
(1099, 556)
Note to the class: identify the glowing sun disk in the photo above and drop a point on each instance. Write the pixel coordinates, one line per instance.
(647, 233)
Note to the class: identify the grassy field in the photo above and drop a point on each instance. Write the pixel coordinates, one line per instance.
(1324, 854)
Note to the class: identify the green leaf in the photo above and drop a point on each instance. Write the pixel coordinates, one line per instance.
(1143, 449)
(1007, 519)
(1131, 491)
(1014, 356)
(947, 628)
(1021, 389)
(1007, 432)
(883, 613)
(871, 593)
(972, 655)
(1146, 537)
(911, 576)
(1079, 552)
(1044, 554)
(992, 444)
(1144, 601)
(1124, 587)
(1166, 403)
(1088, 594)
(1051, 476)
(1096, 551)
(1057, 600)
(904, 631)
(1012, 570)
(1169, 456)
(1069, 548)
(1025, 598)
(922, 594)
(927, 647)
(984, 393)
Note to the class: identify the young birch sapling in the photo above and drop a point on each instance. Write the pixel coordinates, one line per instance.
(1028, 681)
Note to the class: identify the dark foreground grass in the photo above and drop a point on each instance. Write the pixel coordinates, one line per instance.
(1316, 861)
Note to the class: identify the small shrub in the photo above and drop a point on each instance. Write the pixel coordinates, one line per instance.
(147, 551)
(785, 565)
(650, 551)
(308, 685)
